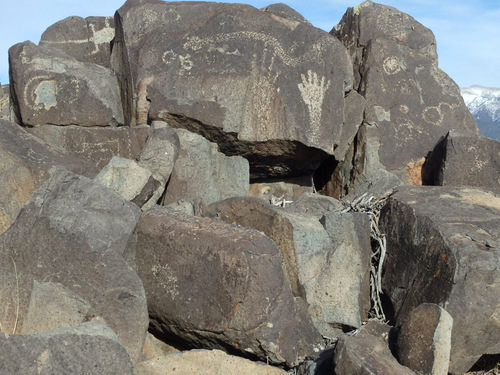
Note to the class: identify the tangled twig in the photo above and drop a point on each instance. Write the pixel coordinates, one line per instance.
(372, 205)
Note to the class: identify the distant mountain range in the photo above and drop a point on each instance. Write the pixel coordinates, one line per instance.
(484, 104)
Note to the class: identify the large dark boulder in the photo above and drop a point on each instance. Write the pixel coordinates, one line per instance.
(27, 163)
(73, 233)
(214, 285)
(87, 40)
(48, 86)
(262, 84)
(97, 145)
(410, 102)
(90, 348)
(442, 248)
(460, 160)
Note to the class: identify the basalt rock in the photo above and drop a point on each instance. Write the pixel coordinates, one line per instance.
(96, 145)
(442, 248)
(459, 160)
(5, 103)
(214, 285)
(261, 84)
(74, 232)
(27, 163)
(410, 102)
(87, 40)
(49, 86)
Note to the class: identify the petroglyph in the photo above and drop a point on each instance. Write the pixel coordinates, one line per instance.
(96, 37)
(45, 94)
(314, 53)
(382, 114)
(392, 65)
(170, 57)
(313, 90)
(166, 279)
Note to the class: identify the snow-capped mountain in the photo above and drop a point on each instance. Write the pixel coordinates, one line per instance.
(484, 104)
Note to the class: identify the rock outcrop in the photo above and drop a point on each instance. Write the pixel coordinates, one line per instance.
(162, 172)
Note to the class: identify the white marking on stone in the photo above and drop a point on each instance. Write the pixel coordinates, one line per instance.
(45, 94)
(313, 90)
(382, 114)
(392, 65)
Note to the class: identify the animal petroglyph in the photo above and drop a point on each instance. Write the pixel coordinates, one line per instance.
(313, 90)
(170, 57)
(314, 53)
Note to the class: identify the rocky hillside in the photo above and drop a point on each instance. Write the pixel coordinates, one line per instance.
(484, 104)
(214, 188)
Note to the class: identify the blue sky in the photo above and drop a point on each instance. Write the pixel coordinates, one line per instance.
(467, 32)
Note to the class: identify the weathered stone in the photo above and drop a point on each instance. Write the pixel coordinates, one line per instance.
(267, 87)
(155, 348)
(410, 102)
(5, 103)
(25, 164)
(205, 362)
(367, 353)
(129, 180)
(54, 306)
(286, 190)
(159, 155)
(51, 87)
(87, 40)
(464, 161)
(89, 348)
(74, 232)
(283, 13)
(315, 204)
(94, 144)
(327, 261)
(424, 341)
(215, 285)
(442, 248)
(202, 172)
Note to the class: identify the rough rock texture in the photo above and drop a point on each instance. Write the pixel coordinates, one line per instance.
(159, 155)
(50, 87)
(205, 362)
(410, 102)
(327, 261)
(25, 164)
(5, 103)
(442, 248)
(424, 341)
(89, 348)
(204, 173)
(74, 232)
(464, 161)
(129, 180)
(267, 87)
(285, 189)
(53, 306)
(94, 144)
(87, 40)
(367, 353)
(215, 285)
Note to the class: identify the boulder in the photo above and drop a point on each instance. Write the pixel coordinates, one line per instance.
(284, 190)
(26, 164)
(460, 160)
(410, 102)
(89, 348)
(53, 306)
(367, 353)
(202, 172)
(96, 145)
(129, 180)
(424, 341)
(87, 40)
(159, 155)
(205, 362)
(442, 248)
(52, 87)
(327, 261)
(213, 285)
(74, 232)
(154, 348)
(5, 102)
(264, 86)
